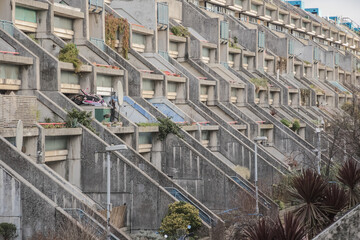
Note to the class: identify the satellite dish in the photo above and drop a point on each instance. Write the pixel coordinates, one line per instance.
(19, 135)
(119, 91)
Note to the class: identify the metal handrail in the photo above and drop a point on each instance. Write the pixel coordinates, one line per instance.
(250, 190)
(86, 220)
(181, 197)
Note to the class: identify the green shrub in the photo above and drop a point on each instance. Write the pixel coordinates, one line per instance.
(8, 231)
(295, 125)
(179, 216)
(70, 54)
(286, 122)
(74, 117)
(166, 126)
(147, 124)
(180, 31)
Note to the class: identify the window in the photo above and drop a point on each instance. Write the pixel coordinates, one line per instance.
(238, 2)
(138, 39)
(206, 52)
(69, 78)
(173, 46)
(268, 12)
(254, 7)
(171, 87)
(25, 14)
(148, 85)
(231, 57)
(61, 22)
(145, 138)
(204, 90)
(103, 81)
(8, 71)
(53, 143)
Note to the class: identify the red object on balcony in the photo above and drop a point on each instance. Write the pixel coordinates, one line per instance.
(7, 52)
(202, 123)
(145, 71)
(171, 74)
(137, 25)
(107, 66)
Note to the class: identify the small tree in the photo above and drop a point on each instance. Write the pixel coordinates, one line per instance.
(8, 231)
(180, 216)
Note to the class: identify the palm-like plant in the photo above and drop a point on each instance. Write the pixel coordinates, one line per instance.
(334, 201)
(307, 190)
(293, 228)
(261, 230)
(349, 175)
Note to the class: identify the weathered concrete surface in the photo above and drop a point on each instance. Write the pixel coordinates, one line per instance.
(54, 189)
(10, 200)
(136, 181)
(24, 203)
(346, 228)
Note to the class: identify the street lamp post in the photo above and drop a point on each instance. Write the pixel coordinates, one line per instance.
(318, 130)
(108, 150)
(259, 138)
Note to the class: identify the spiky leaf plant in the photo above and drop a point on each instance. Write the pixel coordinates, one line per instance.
(334, 201)
(292, 229)
(349, 175)
(261, 230)
(307, 190)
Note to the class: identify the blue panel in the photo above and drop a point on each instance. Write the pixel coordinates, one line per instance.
(163, 13)
(167, 111)
(338, 86)
(7, 27)
(139, 109)
(98, 42)
(297, 4)
(313, 11)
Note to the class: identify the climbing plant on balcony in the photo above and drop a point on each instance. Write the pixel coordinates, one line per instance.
(180, 31)
(75, 117)
(70, 54)
(259, 82)
(167, 126)
(114, 26)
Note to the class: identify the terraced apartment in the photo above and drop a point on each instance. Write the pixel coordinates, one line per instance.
(241, 80)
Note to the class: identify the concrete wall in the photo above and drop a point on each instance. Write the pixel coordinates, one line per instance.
(29, 74)
(24, 203)
(59, 191)
(209, 27)
(10, 200)
(48, 66)
(143, 11)
(133, 175)
(346, 228)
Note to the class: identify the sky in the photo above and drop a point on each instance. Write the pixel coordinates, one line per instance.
(345, 8)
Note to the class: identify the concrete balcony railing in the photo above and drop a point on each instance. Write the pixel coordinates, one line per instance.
(14, 108)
